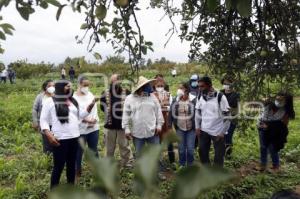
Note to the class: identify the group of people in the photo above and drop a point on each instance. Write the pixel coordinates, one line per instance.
(199, 114)
(71, 73)
(8, 74)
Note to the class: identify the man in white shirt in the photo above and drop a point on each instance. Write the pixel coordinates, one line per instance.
(211, 122)
(4, 76)
(142, 116)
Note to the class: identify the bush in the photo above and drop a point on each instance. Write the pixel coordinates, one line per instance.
(26, 70)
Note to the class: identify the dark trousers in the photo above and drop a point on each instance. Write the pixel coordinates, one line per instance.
(92, 141)
(229, 135)
(171, 153)
(65, 153)
(3, 79)
(267, 148)
(204, 146)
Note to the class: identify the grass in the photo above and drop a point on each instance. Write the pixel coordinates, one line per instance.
(25, 170)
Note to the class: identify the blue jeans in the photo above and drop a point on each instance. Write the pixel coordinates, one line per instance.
(186, 146)
(139, 143)
(229, 135)
(92, 141)
(264, 148)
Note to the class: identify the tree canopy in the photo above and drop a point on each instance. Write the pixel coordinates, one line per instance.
(252, 37)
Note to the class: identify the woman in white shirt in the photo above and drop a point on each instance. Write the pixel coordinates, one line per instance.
(89, 126)
(48, 90)
(65, 117)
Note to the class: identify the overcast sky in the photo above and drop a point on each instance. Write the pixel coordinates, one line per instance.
(42, 38)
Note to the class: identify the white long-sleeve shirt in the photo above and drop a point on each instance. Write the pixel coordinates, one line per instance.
(142, 115)
(84, 101)
(61, 131)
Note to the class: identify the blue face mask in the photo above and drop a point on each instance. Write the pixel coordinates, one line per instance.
(194, 84)
(148, 89)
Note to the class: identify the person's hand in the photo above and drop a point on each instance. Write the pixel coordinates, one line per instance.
(198, 132)
(157, 131)
(35, 126)
(263, 125)
(220, 136)
(128, 136)
(52, 140)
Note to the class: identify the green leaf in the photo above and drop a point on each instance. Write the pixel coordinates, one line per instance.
(97, 56)
(105, 171)
(212, 4)
(24, 12)
(53, 2)
(191, 181)
(1, 50)
(2, 36)
(147, 166)
(244, 7)
(144, 50)
(84, 26)
(101, 12)
(59, 11)
(7, 26)
(231, 4)
(44, 4)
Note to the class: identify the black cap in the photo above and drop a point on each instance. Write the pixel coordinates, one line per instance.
(206, 80)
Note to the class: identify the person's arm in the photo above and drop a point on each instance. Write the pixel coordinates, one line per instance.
(159, 116)
(170, 115)
(45, 124)
(103, 102)
(198, 119)
(35, 111)
(225, 109)
(126, 116)
(285, 119)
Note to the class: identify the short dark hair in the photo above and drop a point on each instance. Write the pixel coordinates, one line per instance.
(186, 86)
(227, 78)
(82, 78)
(206, 80)
(45, 84)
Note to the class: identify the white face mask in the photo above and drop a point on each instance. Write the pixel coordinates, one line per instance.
(278, 104)
(84, 90)
(159, 89)
(180, 93)
(226, 87)
(51, 89)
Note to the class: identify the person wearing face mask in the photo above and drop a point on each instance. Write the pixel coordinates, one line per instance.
(143, 111)
(211, 122)
(233, 99)
(182, 116)
(165, 100)
(194, 88)
(142, 116)
(112, 102)
(65, 115)
(89, 126)
(47, 92)
(273, 128)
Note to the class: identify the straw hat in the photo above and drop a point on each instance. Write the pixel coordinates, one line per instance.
(142, 81)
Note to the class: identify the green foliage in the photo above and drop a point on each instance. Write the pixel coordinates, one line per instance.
(26, 70)
(25, 171)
